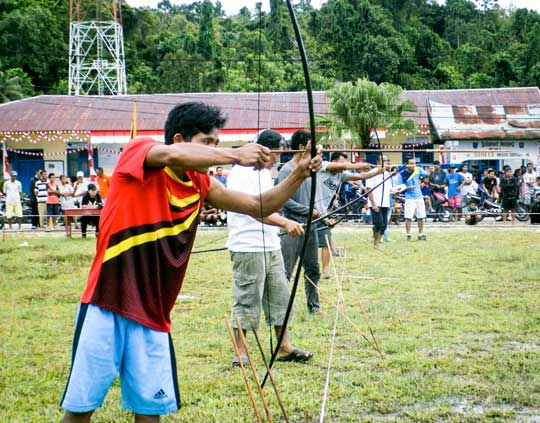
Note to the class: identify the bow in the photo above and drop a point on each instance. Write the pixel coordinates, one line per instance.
(312, 128)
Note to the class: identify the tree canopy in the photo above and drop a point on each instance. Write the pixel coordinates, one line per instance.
(416, 44)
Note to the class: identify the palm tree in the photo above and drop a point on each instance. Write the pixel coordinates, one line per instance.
(361, 107)
(10, 88)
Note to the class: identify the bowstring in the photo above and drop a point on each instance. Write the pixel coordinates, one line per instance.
(261, 211)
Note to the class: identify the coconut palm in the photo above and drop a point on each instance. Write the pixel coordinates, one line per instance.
(360, 107)
(10, 88)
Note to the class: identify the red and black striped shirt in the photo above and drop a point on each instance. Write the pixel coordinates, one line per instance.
(147, 229)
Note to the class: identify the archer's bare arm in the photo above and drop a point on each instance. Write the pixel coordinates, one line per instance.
(194, 156)
(268, 202)
(366, 175)
(335, 167)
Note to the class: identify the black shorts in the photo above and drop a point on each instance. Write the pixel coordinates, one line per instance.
(53, 209)
(509, 204)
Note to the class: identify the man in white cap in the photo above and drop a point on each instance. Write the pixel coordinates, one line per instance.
(13, 189)
(80, 188)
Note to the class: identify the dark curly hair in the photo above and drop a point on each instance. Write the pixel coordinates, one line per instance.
(189, 119)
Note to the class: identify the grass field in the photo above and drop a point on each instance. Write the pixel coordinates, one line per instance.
(457, 319)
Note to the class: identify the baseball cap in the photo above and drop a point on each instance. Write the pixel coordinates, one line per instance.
(80, 173)
(270, 138)
(13, 173)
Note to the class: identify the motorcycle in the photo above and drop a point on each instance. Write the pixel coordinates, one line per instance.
(490, 208)
(441, 206)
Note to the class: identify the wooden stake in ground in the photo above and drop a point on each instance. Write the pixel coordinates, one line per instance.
(243, 369)
(268, 370)
(252, 366)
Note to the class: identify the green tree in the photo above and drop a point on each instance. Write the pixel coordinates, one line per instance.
(10, 88)
(362, 106)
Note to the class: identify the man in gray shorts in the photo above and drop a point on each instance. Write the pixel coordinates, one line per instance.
(258, 270)
(332, 174)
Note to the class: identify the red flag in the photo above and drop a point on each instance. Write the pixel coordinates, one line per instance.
(91, 164)
(6, 167)
(442, 156)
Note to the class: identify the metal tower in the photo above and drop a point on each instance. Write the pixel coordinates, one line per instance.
(96, 51)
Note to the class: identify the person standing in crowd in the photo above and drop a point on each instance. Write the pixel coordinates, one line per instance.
(518, 174)
(332, 175)
(53, 202)
(454, 181)
(379, 192)
(537, 187)
(467, 186)
(535, 207)
(124, 319)
(33, 198)
(296, 208)
(425, 187)
(103, 183)
(410, 177)
(40, 190)
(220, 176)
(66, 201)
(529, 179)
(259, 279)
(509, 194)
(90, 200)
(80, 187)
(490, 184)
(437, 177)
(13, 190)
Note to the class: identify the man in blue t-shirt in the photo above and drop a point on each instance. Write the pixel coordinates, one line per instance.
(411, 178)
(454, 181)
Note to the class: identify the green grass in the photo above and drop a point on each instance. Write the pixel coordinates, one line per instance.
(457, 319)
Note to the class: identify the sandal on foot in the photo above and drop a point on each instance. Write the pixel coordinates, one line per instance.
(297, 356)
(236, 362)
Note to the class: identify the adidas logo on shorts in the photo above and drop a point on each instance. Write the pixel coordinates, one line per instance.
(160, 394)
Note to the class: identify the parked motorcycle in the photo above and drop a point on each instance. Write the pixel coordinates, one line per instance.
(490, 208)
(441, 207)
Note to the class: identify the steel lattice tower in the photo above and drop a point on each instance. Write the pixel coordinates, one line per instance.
(96, 53)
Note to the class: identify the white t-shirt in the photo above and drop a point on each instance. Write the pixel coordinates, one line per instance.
(12, 191)
(529, 178)
(467, 189)
(246, 233)
(381, 196)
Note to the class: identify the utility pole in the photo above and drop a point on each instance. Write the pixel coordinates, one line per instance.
(96, 49)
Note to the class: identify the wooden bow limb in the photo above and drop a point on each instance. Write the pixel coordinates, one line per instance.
(270, 375)
(243, 369)
(252, 366)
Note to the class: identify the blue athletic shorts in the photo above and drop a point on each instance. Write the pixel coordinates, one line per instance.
(106, 345)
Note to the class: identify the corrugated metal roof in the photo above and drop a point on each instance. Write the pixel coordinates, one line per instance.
(108, 113)
(472, 122)
(245, 110)
(508, 97)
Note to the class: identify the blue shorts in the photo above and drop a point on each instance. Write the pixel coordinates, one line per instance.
(106, 345)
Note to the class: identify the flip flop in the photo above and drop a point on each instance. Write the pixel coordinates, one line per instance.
(297, 355)
(236, 362)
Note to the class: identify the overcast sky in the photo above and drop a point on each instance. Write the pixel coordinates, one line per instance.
(233, 6)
